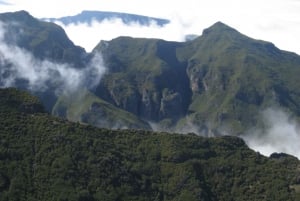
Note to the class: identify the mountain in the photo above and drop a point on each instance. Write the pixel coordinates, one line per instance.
(89, 16)
(218, 82)
(48, 158)
(53, 54)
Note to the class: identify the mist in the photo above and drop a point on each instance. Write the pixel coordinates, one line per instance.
(279, 133)
(20, 65)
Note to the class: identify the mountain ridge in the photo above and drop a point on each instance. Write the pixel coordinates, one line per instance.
(99, 16)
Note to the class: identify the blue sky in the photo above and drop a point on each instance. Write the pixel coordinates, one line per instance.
(277, 21)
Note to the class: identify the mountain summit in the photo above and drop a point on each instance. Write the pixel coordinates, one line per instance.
(219, 27)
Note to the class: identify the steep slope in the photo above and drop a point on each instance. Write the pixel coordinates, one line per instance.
(47, 158)
(89, 16)
(216, 83)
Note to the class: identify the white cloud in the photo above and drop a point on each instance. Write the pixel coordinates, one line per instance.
(109, 29)
(280, 134)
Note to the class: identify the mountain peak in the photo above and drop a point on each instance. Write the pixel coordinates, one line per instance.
(18, 16)
(21, 13)
(219, 27)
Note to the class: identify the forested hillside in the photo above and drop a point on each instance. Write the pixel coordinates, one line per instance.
(48, 158)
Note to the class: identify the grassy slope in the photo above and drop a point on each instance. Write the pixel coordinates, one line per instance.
(47, 158)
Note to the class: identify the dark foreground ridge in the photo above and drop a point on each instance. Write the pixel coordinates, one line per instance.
(47, 158)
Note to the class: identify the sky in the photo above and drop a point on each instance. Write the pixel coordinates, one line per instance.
(276, 21)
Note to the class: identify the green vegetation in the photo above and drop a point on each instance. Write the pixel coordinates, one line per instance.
(48, 158)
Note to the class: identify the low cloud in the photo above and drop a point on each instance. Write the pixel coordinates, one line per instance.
(88, 35)
(282, 31)
(279, 133)
(20, 66)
